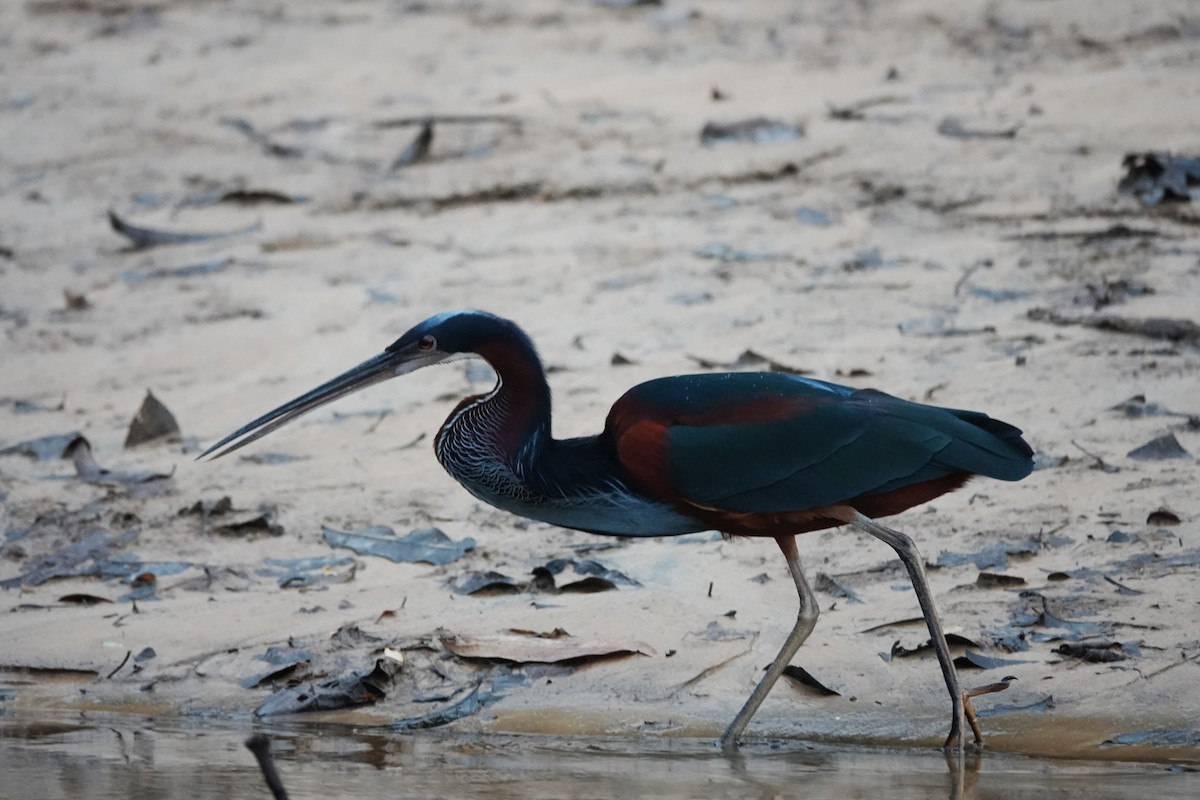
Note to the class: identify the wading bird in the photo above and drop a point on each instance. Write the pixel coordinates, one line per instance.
(744, 453)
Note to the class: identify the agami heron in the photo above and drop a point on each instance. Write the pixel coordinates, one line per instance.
(745, 453)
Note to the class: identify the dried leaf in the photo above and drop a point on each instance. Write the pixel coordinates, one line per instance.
(417, 149)
(44, 448)
(758, 130)
(1038, 706)
(952, 639)
(1182, 331)
(829, 585)
(974, 660)
(348, 691)
(1159, 449)
(75, 301)
(1093, 653)
(900, 623)
(557, 633)
(715, 632)
(485, 583)
(83, 557)
(427, 545)
(1122, 588)
(144, 238)
(473, 702)
(584, 576)
(152, 421)
(805, 678)
(1158, 738)
(1163, 517)
(186, 271)
(953, 127)
(296, 573)
(539, 650)
(80, 451)
(749, 359)
(208, 508)
(250, 524)
(1157, 177)
(992, 580)
(80, 599)
(252, 197)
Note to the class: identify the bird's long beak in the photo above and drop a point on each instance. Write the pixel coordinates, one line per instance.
(372, 371)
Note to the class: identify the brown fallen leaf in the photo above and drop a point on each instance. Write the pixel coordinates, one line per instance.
(748, 359)
(81, 599)
(152, 421)
(557, 633)
(1182, 331)
(144, 238)
(993, 580)
(76, 301)
(805, 678)
(417, 149)
(1163, 516)
(536, 649)
(80, 452)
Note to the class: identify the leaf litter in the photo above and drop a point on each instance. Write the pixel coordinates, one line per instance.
(758, 130)
(1157, 177)
(426, 545)
(1160, 448)
(144, 238)
(301, 573)
(87, 470)
(749, 360)
(417, 149)
(580, 576)
(805, 679)
(485, 583)
(531, 647)
(152, 421)
(43, 448)
(355, 688)
(996, 556)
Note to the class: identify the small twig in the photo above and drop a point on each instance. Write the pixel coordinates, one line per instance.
(1194, 659)
(379, 420)
(451, 119)
(124, 661)
(966, 276)
(260, 745)
(704, 673)
(1100, 464)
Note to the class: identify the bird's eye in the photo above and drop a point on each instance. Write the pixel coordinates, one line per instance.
(426, 342)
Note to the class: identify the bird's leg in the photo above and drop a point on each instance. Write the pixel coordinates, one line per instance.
(907, 550)
(806, 620)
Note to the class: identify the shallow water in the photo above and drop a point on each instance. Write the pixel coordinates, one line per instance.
(133, 757)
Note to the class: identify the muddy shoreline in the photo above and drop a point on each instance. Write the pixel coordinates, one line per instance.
(921, 198)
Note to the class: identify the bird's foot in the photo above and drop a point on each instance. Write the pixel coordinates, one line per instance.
(730, 740)
(955, 740)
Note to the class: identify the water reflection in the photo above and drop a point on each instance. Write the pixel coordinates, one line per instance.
(134, 757)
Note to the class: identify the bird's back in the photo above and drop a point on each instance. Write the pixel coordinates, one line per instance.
(771, 444)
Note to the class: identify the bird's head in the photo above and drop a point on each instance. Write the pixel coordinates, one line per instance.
(453, 333)
(440, 338)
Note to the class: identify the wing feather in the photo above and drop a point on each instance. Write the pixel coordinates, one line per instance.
(764, 443)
